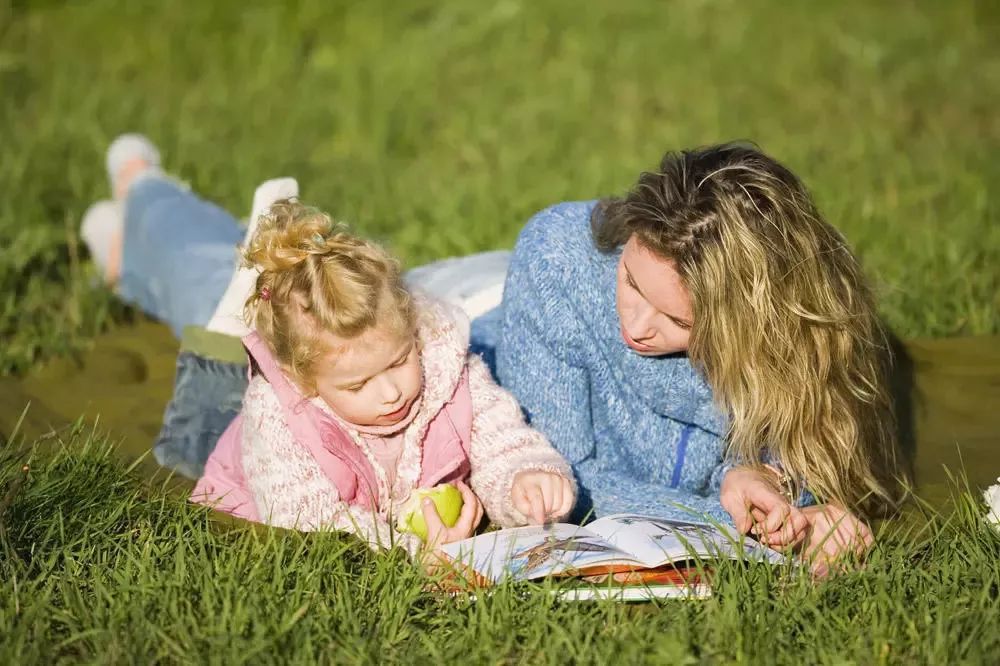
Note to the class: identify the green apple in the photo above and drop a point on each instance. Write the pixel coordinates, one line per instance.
(447, 500)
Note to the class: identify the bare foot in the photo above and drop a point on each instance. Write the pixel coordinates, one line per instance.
(113, 269)
(123, 179)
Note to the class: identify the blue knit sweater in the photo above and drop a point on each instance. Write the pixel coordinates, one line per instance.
(641, 433)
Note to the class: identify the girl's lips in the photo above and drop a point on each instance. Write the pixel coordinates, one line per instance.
(638, 346)
(399, 413)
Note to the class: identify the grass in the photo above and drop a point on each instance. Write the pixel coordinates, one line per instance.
(99, 568)
(441, 126)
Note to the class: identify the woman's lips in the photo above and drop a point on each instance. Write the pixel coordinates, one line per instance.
(638, 346)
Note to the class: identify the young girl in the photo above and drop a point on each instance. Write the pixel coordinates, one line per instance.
(362, 392)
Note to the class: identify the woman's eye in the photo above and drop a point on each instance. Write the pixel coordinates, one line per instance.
(629, 282)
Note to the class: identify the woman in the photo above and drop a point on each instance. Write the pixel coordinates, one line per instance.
(715, 276)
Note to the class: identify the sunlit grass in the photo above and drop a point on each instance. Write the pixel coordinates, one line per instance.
(99, 567)
(441, 127)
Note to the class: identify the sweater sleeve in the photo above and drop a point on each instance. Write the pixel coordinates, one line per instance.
(602, 491)
(538, 363)
(612, 491)
(288, 485)
(533, 364)
(503, 445)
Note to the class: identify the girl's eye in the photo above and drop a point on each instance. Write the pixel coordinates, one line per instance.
(355, 388)
(629, 282)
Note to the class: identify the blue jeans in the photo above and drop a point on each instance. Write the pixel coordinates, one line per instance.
(179, 253)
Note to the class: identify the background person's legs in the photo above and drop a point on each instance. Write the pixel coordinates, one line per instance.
(179, 252)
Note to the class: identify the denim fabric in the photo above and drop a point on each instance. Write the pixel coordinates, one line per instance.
(178, 257)
(179, 253)
(208, 394)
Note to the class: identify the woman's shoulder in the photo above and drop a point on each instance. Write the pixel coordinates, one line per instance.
(560, 233)
(557, 277)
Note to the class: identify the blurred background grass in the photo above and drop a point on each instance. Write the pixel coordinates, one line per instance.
(442, 126)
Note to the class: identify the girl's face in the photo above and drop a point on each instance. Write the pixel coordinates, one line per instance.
(654, 308)
(371, 380)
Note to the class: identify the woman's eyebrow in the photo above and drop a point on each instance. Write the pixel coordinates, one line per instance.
(681, 322)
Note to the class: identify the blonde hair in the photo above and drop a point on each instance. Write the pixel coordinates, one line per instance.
(785, 326)
(316, 276)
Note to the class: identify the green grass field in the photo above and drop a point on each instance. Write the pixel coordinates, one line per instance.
(441, 127)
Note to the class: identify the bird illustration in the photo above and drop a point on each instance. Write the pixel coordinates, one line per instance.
(536, 555)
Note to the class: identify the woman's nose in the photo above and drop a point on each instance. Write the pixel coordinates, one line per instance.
(642, 324)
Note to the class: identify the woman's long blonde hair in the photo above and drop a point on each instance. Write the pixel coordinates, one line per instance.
(785, 326)
(316, 276)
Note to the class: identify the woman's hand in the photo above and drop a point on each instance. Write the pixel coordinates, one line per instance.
(834, 533)
(757, 507)
(542, 496)
(438, 533)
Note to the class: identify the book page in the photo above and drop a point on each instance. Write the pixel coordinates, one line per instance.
(657, 541)
(525, 553)
(633, 593)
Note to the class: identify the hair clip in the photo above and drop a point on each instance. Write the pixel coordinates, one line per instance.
(265, 293)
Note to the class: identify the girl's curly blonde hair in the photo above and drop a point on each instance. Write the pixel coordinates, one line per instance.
(785, 326)
(315, 277)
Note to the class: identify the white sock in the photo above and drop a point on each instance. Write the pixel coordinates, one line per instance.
(102, 225)
(228, 316)
(124, 149)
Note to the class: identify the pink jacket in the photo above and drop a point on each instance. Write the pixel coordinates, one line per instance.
(445, 458)
(288, 461)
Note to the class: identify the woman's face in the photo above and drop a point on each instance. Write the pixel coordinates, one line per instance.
(654, 308)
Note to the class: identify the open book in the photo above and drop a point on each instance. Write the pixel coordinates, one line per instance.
(623, 556)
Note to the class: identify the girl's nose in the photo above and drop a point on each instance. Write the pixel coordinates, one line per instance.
(391, 393)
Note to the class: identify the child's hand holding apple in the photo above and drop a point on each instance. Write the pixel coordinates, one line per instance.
(442, 514)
